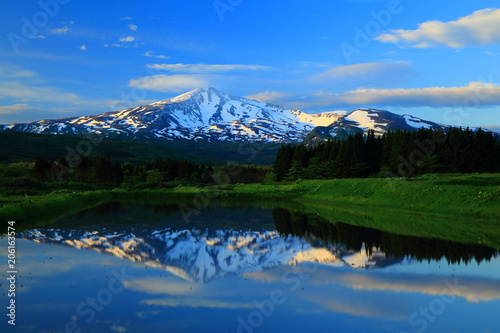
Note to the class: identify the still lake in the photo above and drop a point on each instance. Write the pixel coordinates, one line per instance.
(135, 267)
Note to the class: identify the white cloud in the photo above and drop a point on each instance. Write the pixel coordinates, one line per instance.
(83, 47)
(132, 27)
(202, 68)
(37, 37)
(16, 73)
(168, 83)
(152, 55)
(29, 92)
(479, 28)
(270, 96)
(482, 93)
(127, 39)
(60, 31)
(474, 94)
(127, 18)
(17, 109)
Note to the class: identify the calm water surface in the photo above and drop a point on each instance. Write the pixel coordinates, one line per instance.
(125, 267)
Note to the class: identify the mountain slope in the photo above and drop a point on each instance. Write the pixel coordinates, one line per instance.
(362, 120)
(209, 115)
(201, 114)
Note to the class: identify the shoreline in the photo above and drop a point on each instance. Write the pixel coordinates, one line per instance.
(457, 212)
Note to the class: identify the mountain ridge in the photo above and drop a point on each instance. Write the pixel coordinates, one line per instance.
(201, 114)
(207, 114)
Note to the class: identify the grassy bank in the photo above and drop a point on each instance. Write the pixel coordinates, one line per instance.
(476, 196)
(38, 211)
(462, 208)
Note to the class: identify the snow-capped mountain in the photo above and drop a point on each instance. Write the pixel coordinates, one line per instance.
(203, 256)
(211, 115)
(362, 120)
(201, 114)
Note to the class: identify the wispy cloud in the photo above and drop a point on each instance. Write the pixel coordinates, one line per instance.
(16, 73)
(133, 27)
(202, 68)
(83, 47)
(372, 69)
(17, 109)
(37, 37)
(479, 28)
(31, 92)
(480, 92)
(153, 55)
(373, 74)
(271, 96)
(127, 18)
(168, 83)
(127, 39)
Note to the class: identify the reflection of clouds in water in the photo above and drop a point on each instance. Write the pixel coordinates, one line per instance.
(473, 289)
(161, 286)
(367, 305)
(41, 259)
(176, 292)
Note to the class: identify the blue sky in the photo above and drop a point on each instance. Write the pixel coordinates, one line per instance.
(434, 59)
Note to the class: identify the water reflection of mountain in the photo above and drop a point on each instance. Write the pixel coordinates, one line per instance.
(237, 240)
(356, 238)
(197, 255)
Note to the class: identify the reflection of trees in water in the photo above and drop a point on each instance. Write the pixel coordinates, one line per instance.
(393, 245)
(111, 208)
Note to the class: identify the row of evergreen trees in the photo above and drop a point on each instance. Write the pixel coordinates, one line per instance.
(395, 154)
(103, 171)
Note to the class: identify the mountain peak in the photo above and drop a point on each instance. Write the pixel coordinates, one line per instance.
(207, 114)
(188, 95)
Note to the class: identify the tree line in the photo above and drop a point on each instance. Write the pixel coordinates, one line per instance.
(105, 172)
(394, 154)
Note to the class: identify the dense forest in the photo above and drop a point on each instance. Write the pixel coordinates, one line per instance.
(105, 172)
(395, 154)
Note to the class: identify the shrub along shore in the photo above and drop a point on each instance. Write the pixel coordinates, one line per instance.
(462, 208)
